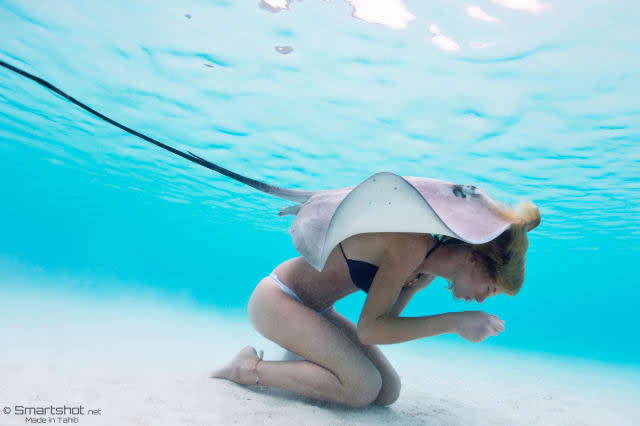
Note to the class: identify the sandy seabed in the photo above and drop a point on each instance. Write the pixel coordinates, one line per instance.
(149, 364)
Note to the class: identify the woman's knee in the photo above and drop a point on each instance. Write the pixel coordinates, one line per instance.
(388, 395)
(363, 391)
(390, 390)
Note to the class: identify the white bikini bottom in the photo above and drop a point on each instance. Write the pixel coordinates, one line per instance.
(291, 294)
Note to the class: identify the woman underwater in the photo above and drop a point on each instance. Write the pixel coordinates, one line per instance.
(293, 307)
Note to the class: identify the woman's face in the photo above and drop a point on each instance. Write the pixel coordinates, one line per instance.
(470, 282)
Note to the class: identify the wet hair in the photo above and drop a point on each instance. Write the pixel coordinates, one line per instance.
(503, 258)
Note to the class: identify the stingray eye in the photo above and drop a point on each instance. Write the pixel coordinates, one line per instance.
(458, 191)
(462, 191)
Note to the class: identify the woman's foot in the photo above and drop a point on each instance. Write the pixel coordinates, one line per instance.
(239, 370)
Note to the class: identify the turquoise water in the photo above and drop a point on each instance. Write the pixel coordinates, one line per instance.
(546, 110)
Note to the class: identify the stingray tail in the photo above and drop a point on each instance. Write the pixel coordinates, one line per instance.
(287, 194)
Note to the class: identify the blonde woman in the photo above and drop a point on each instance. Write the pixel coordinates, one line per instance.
(293, 307)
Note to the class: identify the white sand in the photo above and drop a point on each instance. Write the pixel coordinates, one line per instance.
(148, 364)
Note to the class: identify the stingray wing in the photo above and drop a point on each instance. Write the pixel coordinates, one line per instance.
(386, 202)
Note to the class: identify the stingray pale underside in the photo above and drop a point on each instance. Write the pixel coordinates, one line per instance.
(386, 202)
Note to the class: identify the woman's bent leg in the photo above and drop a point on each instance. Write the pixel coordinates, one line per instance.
(391, 384)
(334, 369)
(303, 378)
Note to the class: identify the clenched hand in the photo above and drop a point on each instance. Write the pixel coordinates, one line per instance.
(475, 326)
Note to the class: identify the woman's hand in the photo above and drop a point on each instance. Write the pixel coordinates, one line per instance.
(475, 326)
(419, 282)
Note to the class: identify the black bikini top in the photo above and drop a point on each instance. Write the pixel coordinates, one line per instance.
(362, 273)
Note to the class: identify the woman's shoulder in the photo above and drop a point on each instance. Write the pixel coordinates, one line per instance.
(376, 244)
(400, 243)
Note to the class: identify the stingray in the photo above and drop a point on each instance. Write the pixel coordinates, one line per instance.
(383, 202)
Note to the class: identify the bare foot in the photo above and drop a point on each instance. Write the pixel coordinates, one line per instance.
(239, 369)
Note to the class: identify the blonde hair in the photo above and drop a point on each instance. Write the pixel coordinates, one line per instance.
(503, 258)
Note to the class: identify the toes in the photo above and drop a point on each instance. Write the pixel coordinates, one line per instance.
(239, 367)
(221, 373)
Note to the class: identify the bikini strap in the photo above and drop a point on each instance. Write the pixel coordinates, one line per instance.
(438, 242)
(341, 249)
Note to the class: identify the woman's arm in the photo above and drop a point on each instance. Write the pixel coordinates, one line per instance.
(410, 328)
(389, 329)
(403, 254)
(408, 291)
(406, 294)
